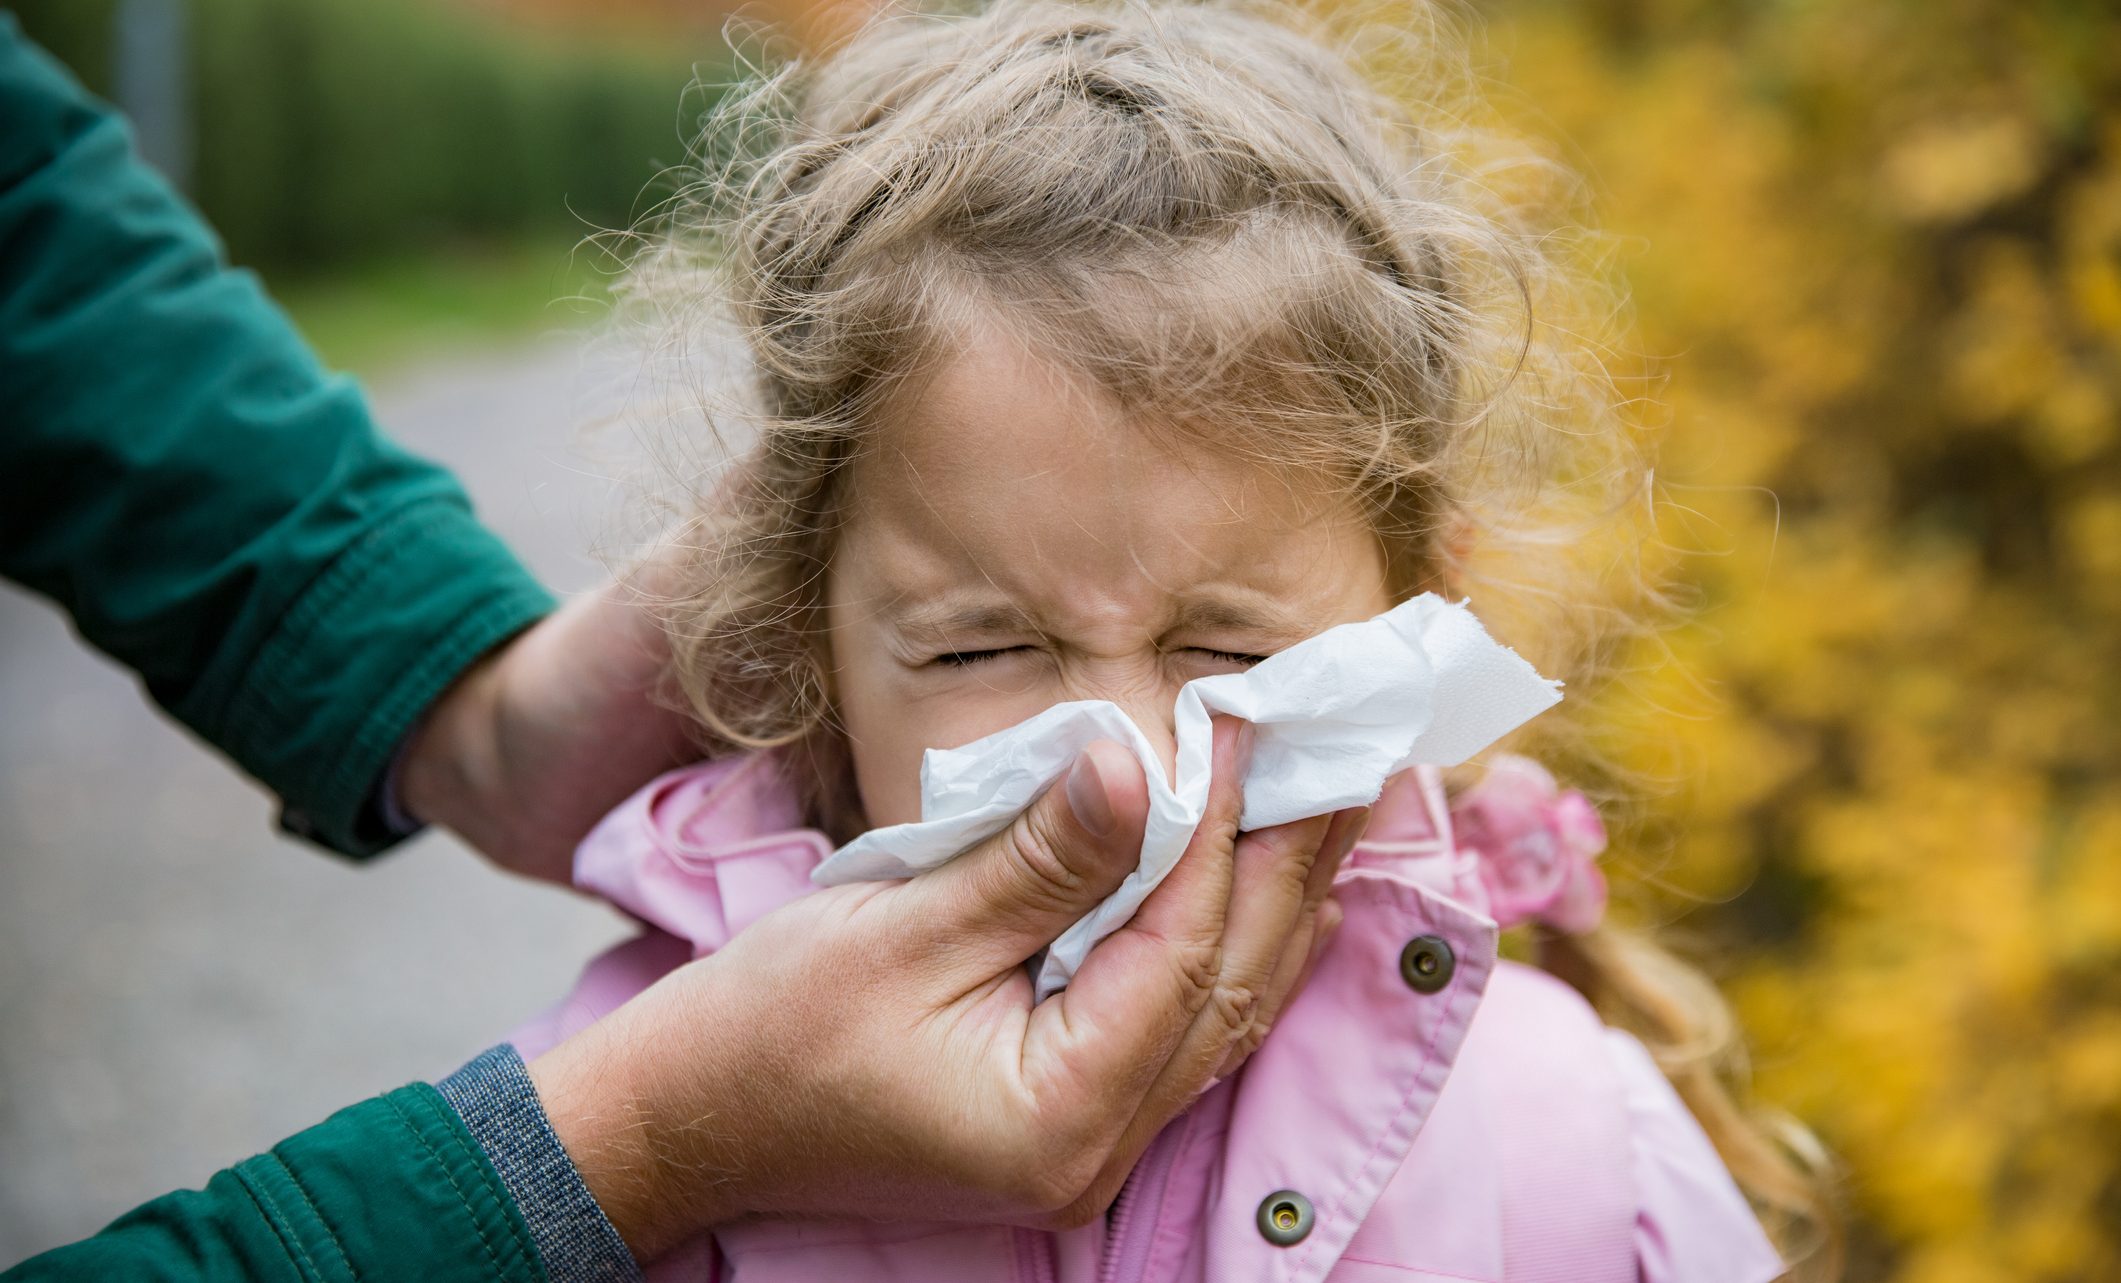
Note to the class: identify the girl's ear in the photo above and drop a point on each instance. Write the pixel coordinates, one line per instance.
(1454, 545)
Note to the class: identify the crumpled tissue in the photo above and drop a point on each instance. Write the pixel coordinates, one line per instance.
(1335, 716)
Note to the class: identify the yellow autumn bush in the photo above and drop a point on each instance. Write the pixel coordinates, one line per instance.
(1873, 252)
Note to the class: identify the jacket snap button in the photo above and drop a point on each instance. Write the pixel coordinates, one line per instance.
(1285, 1216)
(1426, 963)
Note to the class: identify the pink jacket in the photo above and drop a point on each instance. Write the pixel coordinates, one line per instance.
(1422, 1112)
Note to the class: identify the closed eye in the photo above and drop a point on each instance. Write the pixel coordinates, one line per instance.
(963, 658)
(966, 658)
(1228, 656)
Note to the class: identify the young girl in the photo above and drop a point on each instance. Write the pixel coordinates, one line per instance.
(1098, 347)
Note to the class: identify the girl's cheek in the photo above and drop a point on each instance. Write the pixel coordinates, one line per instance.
(891, 729)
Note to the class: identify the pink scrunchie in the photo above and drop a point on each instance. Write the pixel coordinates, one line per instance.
(1538, 846)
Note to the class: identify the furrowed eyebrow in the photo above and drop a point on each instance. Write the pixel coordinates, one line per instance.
(1211, 614)
(942, 623)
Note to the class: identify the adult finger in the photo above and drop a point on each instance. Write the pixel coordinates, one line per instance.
(1013, 894)
(1139, 991)
(1270, 870)
(1271, 874)
(1301, 949)
(1188, 909)
(1341, 838)
(1186, 918)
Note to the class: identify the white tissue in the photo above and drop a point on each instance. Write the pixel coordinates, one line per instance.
(1336, 715)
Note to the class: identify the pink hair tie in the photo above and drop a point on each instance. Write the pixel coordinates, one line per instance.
(1537, 846)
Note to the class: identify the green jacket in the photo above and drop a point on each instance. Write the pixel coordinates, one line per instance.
(215, 510)
(218, 513)
(391, 1188)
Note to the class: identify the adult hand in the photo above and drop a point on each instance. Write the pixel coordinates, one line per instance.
(545, 734)
(872, 1050)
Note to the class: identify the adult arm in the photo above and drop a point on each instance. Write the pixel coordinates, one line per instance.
(858, 1052)
(393, 1187)
(214, 509)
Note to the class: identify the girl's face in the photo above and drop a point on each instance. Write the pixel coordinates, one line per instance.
(1013, 543)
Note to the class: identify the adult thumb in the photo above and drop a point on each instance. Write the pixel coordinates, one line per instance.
(1014, 893)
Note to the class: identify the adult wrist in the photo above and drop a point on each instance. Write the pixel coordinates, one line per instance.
(661, 1168)
(500, 1107)
(397, 822)
(448, 760)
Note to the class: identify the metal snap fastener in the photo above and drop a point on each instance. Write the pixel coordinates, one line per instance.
(1285, 1216)
(1426, 963)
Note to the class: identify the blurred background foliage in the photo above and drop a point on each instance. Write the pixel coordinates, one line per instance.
(337, 131)
(405, 171)
(1874, 250)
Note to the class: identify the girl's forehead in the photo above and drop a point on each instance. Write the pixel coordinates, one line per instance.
(1009, 476)
(995, 419)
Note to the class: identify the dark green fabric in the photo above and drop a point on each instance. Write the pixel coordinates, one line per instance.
(215, 510)
(391, 1188)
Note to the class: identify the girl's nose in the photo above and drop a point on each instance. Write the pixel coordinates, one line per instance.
(1151, 711)
(1143, 688)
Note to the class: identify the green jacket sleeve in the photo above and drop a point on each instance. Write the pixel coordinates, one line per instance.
(214, 509)
(391, 1188)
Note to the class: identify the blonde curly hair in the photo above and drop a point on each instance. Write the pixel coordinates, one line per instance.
(1289, 233)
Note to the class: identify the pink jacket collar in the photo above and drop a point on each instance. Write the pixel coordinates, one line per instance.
(736, 823)
(1522, 849)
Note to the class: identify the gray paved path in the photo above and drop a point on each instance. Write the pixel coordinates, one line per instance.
(179, 986)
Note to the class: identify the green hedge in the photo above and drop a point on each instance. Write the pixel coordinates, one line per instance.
(333, 131)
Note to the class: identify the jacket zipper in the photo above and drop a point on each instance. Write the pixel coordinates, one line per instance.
(1034, 1257)
(1140, 1206)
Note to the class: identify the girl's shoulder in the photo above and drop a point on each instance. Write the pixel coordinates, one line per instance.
(1585, 1128)
(704, 850)
(700, 810)
(1695, 1223)
(1541, 1051)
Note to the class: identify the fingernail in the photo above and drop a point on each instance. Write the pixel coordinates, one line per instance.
(1087, 796)
(1246, 733)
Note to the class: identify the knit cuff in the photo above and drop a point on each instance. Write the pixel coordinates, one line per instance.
(499, 1105)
